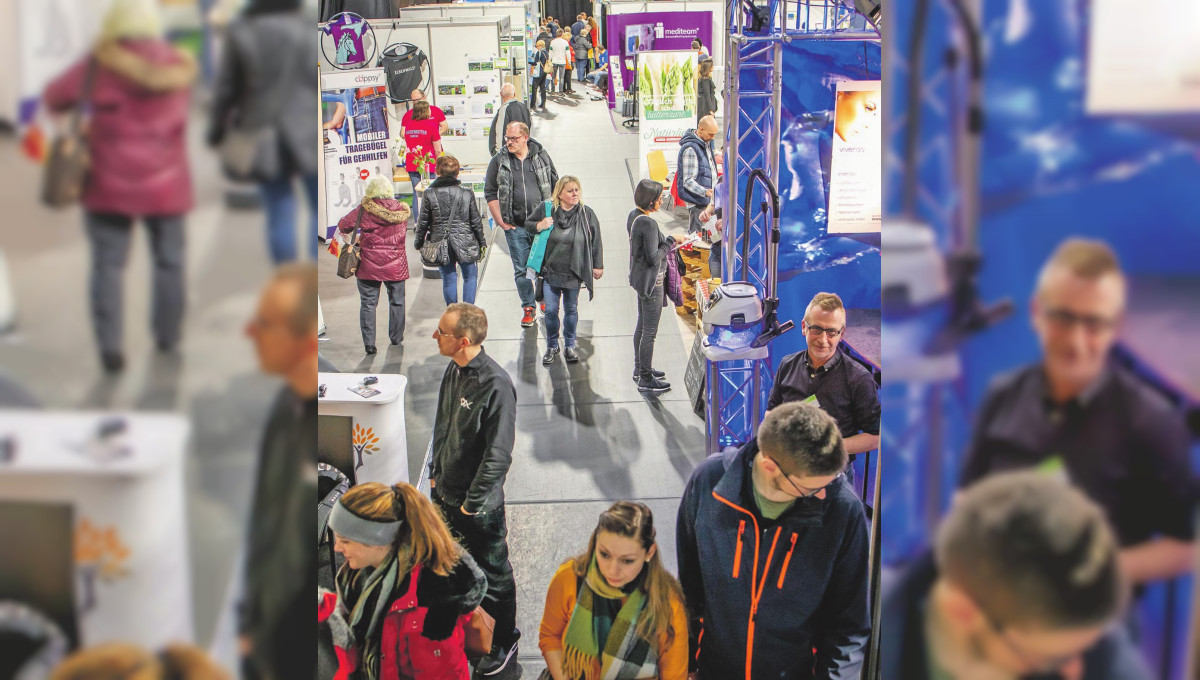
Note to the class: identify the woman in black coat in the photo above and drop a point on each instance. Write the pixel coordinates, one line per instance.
(449, 211)
(574, 257)
(706, 91)
(648, 251)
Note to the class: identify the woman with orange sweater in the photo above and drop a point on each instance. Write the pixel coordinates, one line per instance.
(614, 611)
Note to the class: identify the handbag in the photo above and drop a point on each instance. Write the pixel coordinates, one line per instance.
(435, 253)
(243, 151)
(351, 255)
(68, 161)
(479, 632)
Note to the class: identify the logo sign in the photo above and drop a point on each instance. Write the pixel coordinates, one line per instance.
(364, 173)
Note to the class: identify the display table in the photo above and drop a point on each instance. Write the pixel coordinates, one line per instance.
(372, 445)
(124, 508)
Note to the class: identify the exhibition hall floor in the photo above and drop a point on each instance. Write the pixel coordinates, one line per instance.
(585, 436)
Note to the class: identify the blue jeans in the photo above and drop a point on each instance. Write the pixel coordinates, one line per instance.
(450, 281)
(519, 244)
(581, 69)
(570, 321)
(415, 178)
(279, 201)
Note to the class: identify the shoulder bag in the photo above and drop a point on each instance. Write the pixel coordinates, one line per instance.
(434, 253)
(351, 256)
(242, 149)
(68, 161)
(479, 633)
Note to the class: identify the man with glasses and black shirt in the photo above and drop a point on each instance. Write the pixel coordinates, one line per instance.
(843, 388)
(772, 550)
(1024, 582)
(1078, 415)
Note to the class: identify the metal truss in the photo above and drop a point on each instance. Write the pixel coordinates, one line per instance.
(737, 390)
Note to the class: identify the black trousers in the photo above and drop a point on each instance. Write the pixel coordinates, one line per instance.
(368, 297)
(649, 312)
(539, 85)
(485, 538)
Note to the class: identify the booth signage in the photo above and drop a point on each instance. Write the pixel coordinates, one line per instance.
(856, 173)
(666, 103)
(631, 34)
(356, 138)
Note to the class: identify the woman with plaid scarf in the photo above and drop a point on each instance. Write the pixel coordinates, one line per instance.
(614, 612)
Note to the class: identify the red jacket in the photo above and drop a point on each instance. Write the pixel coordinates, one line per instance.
(408, 655)
(136, 131)
(383, 231)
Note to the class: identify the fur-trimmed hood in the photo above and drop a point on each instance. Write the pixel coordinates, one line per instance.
(397, 213)
(151, 65)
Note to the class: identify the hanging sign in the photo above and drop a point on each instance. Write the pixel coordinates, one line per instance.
(356, 139)
(856, 173)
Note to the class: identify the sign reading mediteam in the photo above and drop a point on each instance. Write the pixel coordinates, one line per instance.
(666, 102)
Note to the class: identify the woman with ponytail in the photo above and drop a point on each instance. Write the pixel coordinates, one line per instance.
(406, 589)
(614, 611)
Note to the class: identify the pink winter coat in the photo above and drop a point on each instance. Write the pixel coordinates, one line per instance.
(383, 227)
(139, 107)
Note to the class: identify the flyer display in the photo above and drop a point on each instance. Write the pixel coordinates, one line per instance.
(666, 103)
(856, 174)
(356, 139)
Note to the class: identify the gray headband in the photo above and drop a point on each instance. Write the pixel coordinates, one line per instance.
(352, 527)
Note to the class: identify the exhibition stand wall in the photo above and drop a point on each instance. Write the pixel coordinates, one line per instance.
(106, 493)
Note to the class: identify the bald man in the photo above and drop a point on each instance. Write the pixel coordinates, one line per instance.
(697, 170)
(512, 110)
(434, 113)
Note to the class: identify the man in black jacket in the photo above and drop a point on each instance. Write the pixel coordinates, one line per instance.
(281, 559)
(473, 439)
(772, 548)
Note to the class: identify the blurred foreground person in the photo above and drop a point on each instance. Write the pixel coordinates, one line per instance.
(406, 588)
(278, 637)
(1077, 414)
(772, 549)
(266, 80)
(615, 611)
(120, 661)
(135, 86)
(1024, 582)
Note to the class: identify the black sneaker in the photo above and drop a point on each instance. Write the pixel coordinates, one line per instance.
(550, 356)
(571, 354)
(652, 386)
(371, 349)
(497, 661)
(656, 374)
(114, 362)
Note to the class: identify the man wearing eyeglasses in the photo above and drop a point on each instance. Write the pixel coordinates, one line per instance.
(1080, 416)
(843, 388)
(519, 179)
(473, 435)
(1024, 582)
(772, 551)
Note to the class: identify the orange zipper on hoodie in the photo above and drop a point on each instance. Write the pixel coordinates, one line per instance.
(757, 585)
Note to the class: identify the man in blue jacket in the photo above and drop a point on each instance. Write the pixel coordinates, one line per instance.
(772, 548)
(696, 169)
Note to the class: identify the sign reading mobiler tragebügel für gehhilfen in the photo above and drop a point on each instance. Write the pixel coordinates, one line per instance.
(356, 139)
(666, 103)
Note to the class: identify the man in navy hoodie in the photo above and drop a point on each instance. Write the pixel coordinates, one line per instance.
(772, 548)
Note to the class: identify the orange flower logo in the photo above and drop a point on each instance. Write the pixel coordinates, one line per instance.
(99, 553)
(364, 442)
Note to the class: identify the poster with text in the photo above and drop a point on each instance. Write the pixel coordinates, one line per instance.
(856, 173)
(666, 103)
(356, 146)
(629, 35)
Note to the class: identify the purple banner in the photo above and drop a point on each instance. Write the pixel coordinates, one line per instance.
(629, 34)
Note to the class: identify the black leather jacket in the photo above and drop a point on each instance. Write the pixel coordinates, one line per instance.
(449, 211)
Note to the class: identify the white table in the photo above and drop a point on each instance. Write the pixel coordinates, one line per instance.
(379, 443)
(132, 573)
